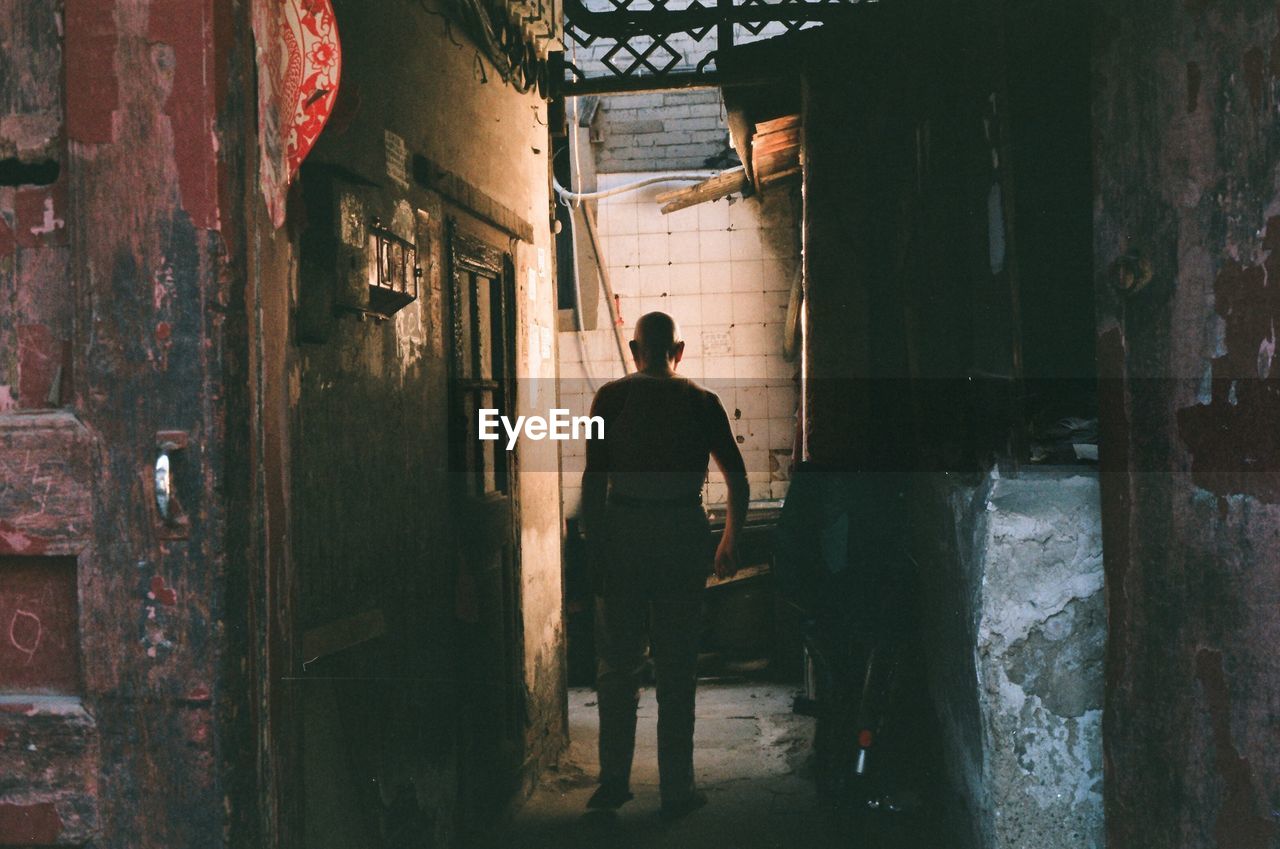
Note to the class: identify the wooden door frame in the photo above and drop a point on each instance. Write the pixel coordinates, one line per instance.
(469, 252)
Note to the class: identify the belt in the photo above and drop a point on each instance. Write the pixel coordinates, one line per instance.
(628, 501)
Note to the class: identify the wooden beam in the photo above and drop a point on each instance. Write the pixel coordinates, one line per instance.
(333, 637)
(775, 148)
(743, 574)
(723, 184)
(741, 132)
(770, 179)
(615, 318)
(782, 160)
(775, 124)
(766, 142)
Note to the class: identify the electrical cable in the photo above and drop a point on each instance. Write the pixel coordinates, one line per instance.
(683, 177)
(573, 238)
(572, 200)
(478, 24)
(573, 228)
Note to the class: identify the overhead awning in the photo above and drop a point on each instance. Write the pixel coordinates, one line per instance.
(614, 46)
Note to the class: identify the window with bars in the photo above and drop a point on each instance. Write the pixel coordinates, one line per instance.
(483, 328)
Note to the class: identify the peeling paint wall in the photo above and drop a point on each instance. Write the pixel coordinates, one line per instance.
(915, 362)
(34, 256)
(397, 653)
(154, 687)
(117, 337)
(1185, 100)
(1016, 615)
(949, 519)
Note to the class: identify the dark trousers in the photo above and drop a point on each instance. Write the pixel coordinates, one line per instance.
(652, 596)
(671, 629)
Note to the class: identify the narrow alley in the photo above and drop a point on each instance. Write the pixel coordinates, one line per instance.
(755, 760)
(752, 753)
(882, 389)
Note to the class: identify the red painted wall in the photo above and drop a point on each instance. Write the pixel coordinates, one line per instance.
(1186, 153)
(116, 319)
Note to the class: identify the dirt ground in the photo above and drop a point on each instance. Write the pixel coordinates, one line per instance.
(752, 757)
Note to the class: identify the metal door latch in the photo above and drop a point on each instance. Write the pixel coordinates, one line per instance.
(172, 521)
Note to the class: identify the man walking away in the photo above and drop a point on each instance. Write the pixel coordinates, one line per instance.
(647, 532)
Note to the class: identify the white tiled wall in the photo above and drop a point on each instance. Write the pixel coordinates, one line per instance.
(723, 270)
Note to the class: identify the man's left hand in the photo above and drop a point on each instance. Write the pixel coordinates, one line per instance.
(726, 559)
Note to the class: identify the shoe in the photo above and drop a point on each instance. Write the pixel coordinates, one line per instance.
(682, 807)
(609, 797)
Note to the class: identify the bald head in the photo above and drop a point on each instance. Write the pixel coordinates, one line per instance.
(657, 341)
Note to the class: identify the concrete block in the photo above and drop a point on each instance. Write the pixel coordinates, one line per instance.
(682, 111)
(623, 113)
(686, 156)
(705, 110)
(1040, 638)
(715, 137)
(635, 127)
(1018, 604)
(698, 160)
(688, 98)
(647, 140)
(705, 122)
(630, 101)
(672, 139)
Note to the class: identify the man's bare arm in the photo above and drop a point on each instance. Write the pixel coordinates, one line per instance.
(724, 449)
(595, 491)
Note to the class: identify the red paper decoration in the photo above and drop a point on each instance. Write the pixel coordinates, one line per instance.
(299, 67)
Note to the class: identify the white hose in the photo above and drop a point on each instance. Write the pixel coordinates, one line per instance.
(573, 219)
(572, 199)
(579, 197)
(577, 274)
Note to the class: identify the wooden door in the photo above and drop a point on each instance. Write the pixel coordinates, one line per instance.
(483, 483)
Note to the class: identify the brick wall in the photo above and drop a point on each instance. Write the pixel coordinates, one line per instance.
(655, 131)
(660, 131)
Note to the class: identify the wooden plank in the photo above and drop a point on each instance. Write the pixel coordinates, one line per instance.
(743, 574)
(775, 141)
(775, 124)
(776, 151)
(38, 607)
(781, 132)
(615, 318)
(47, 465)
(336, 636)
(781, 146)
(773, 157)
(740, 133)
(765, 151)
(663, 197)
(721, 185)
(770, 179)
(774, 163)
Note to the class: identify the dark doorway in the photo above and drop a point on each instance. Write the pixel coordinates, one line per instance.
(1049, 148)
(492, 670)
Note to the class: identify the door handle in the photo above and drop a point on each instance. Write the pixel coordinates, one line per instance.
(164, 484)
(171, 520)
